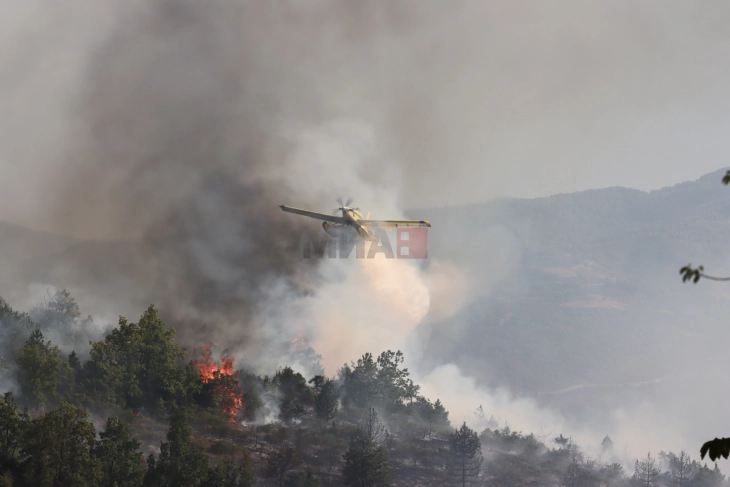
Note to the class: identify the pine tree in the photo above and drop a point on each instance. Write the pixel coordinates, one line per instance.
(646, 472)
(293, 393)
(118, 452)
(709, 478)
(465, 457)
(136, 365)
(61, 314)
(682, 469)
(366, 464)
(326, 403)
(12, 427)
(181, 463)
(574, 470)
(40, 366)
(58, 449)
(606, 444)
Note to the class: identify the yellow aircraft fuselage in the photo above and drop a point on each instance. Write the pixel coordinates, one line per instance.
(351, 217)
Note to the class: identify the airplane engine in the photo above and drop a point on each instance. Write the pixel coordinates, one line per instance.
(366, 234)
(331, 229)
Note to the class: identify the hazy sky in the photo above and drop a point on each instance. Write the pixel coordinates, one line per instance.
(470, 100)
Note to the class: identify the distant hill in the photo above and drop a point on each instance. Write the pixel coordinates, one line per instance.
(587, 309)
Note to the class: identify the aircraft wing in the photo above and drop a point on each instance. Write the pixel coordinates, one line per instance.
(395, 223)
(313, 214)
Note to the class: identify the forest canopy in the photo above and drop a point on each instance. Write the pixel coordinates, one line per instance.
(138, 410)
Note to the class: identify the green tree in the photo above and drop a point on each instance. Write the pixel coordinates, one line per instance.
(39, 371)
(326, 403)
(119, 455)
(302, 479)
(12, 427)
(71, 387)
(14, 330)
(181, 462)
(251, 386)
(359, 382)
(60, 309)
(465, 456)
(396, 387)
(60, 313)
(282, 462)
(293, 393)
(366, 463)
(136, 366)
(57, 449)
(382, 382)
(429, 415)
(227, 473)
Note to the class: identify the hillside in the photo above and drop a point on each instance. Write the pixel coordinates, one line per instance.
(591, 314)
(168, 418)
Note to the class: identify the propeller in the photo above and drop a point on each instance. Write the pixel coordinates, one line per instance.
(343, 205)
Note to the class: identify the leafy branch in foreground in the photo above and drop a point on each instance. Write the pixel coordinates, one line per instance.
(690, 274)
(719, 447)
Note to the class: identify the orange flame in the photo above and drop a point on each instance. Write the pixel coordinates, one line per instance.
(228, 393)
(208, 368)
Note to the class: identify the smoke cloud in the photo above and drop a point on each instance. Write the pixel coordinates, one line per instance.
(171, 130)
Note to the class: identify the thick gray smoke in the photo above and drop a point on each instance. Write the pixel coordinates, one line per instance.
(178, 143)
(174, 128)
(189, 125)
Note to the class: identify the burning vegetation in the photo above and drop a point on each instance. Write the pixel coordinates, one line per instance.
(221, 385)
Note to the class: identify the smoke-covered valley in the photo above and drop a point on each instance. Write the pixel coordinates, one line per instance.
(147, 145)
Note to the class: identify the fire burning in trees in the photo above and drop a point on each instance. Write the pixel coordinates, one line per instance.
(221, 383)
(208, 369)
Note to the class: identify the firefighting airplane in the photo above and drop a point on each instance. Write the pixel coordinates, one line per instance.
(352, 218)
